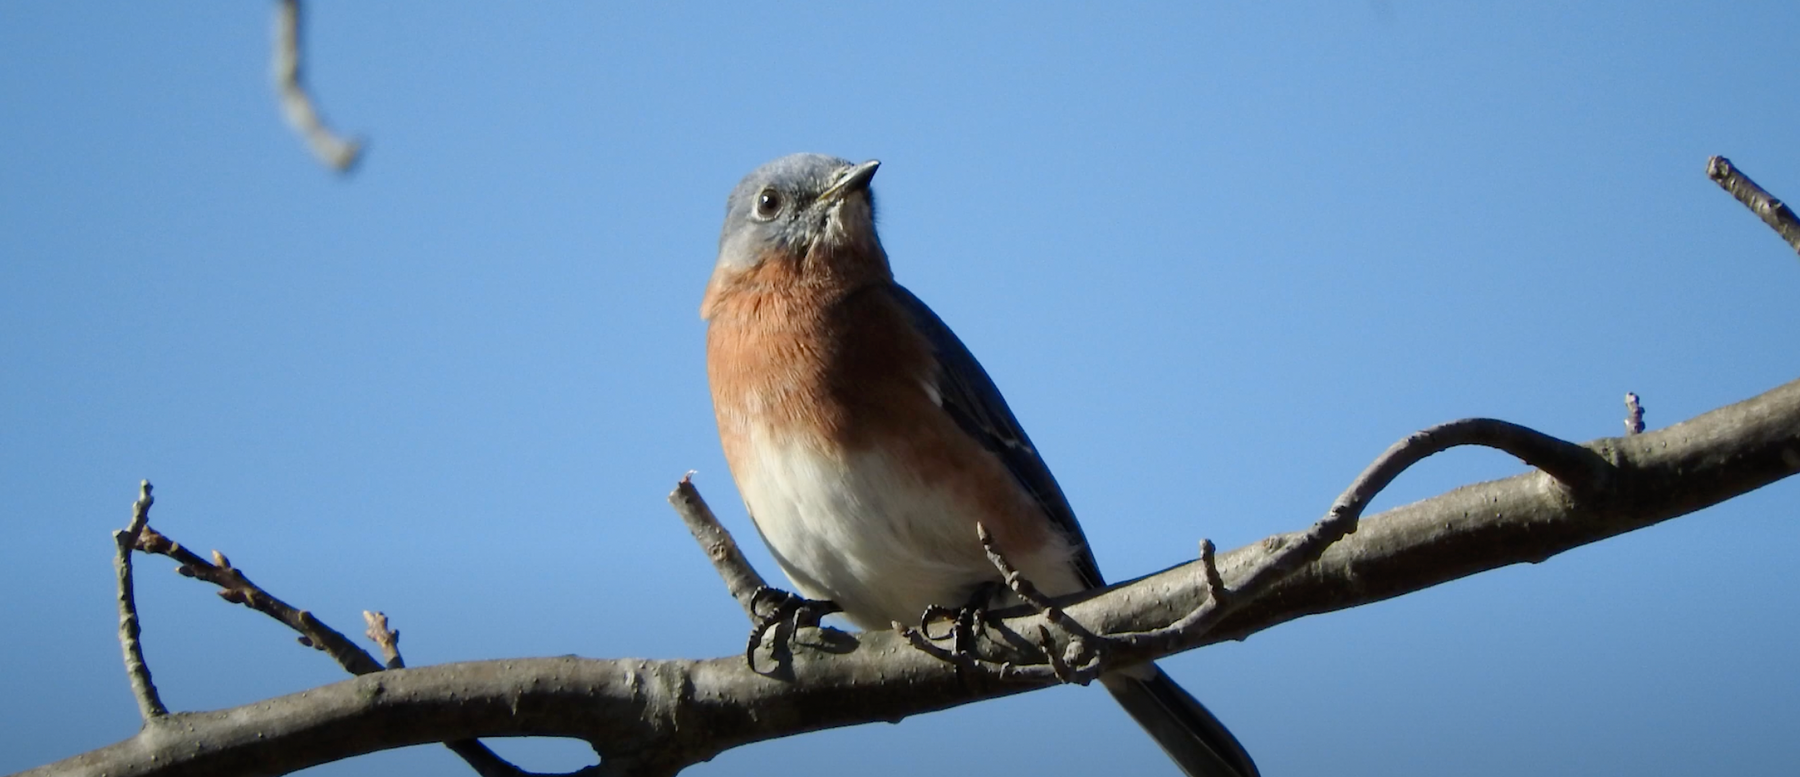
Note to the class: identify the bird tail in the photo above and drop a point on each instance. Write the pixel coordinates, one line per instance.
(1196, 740)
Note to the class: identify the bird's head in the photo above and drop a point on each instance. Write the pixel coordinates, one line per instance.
(806, 219)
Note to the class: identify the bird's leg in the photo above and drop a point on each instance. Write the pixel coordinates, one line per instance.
(972, 618)
(1080, 657)
(966, 622)
(778, 610)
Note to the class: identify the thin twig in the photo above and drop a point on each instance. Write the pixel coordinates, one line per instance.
(1212, 583)
(1577, 468)
(236, 588)
(337, 153)
(1283, 557)
(1015, 580)
(741, 579)
(1766, 207)
(149, 702)
(1572, 465)
(1077, 663)
(487, 763)
(385, 638)
(1088, 655)
(1634, 414)
(1085, 655)
(771, 610)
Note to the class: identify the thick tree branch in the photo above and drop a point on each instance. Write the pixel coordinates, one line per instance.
(654, 717)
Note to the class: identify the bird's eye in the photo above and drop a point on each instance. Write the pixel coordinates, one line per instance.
(768, 203)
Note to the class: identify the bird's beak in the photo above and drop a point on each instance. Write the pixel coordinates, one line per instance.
(853, 178)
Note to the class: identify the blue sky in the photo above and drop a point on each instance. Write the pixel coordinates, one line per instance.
(1217, 256)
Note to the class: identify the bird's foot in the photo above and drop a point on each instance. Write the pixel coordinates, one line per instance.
(785, 614)
(963, 627)
(966, 623)
(1066, 650)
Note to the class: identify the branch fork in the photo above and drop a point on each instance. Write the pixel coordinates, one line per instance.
(235, 587)
(1084, 655)
(150, 703)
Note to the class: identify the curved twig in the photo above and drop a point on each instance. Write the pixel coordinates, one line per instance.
(1574, 466)
(1577, 468)
(337, 153)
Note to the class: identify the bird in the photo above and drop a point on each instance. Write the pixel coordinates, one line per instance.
(867, 442)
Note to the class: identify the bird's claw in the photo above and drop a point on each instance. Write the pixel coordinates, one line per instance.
(776, 610)
(967, 623)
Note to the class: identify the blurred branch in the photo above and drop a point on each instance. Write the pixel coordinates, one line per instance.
(1772, 211)
(650, 717)
(335, 152)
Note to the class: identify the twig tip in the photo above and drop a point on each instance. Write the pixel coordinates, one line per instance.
(1634, 414)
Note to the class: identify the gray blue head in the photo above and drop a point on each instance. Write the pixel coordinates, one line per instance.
(811, 209)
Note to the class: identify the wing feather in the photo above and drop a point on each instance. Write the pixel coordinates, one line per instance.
(965, 391)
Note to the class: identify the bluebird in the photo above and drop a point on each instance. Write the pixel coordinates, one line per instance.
(867, 441)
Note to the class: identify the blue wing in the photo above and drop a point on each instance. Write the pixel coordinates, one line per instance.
(969, 396)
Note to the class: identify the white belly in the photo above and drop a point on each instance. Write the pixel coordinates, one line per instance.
(854, 528)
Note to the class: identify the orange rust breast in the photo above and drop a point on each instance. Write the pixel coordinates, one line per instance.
(845, 372)
(815, 362)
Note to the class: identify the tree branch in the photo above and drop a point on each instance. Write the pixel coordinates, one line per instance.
(150, 703)
(655, 717)
(236, 588)
(1087, 655)
(741, 579)
(1528, 518)
(1772, 211)
(1634, 414)
(335, 152)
